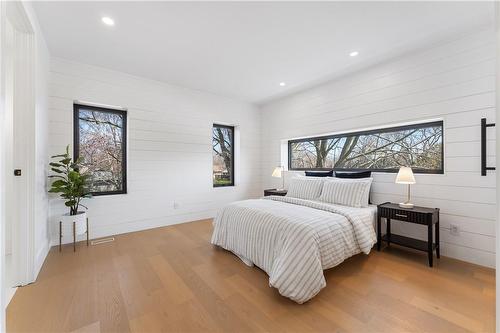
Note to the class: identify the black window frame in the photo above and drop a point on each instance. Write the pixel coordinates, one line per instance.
(76, 141)
(378, 131)
(232, 154)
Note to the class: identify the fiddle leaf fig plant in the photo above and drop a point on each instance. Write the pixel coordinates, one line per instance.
(68, 181)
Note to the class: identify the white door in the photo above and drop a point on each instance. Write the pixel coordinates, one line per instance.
(18, 149)
(11, 193)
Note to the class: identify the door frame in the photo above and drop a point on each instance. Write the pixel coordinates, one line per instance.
(23, 240)
(497, 151)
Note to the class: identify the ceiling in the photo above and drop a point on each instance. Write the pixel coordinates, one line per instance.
(245, 49)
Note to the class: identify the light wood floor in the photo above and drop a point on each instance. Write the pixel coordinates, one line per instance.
(173, 279)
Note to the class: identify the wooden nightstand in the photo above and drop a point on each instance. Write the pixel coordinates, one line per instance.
(418, 215)
(274, 191)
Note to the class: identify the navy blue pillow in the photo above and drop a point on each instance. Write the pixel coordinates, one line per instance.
(319, 173)
(353, 174)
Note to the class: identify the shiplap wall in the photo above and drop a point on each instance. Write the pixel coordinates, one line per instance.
(42, 56)
(453, 81)
(169, 147)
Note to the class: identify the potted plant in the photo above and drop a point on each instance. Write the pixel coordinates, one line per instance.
(72, 186)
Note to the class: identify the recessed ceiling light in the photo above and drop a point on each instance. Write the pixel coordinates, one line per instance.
(282, 84)
(353, 53)
(108, 20)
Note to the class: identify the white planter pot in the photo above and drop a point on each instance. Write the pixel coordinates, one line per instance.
(67, 220)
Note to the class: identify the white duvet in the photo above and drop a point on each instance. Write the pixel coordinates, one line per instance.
(294, 240)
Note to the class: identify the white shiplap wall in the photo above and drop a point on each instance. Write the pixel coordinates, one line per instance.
(453, 81)
(169, 147)
(42, 59)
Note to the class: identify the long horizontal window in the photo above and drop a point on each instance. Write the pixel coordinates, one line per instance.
(419, 146)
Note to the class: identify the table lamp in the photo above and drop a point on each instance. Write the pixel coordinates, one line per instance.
(278, 173)
(405, 176)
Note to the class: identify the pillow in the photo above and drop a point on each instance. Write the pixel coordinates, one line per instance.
(319, 173)
(308, 177)
(353, 174)
(304, 188)
(347, 192)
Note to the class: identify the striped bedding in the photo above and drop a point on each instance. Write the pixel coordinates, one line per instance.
(293, 240)
(347, 192)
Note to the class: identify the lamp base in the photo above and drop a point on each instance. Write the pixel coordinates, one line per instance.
(406, 205)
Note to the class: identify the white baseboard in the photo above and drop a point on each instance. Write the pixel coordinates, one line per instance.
(40, 258)
(9, 290)
(138, 225)
(9, 294)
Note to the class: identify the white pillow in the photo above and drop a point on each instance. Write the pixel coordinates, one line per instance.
(304, 188)
(347, 192)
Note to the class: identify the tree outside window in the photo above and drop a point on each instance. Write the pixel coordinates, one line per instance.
(418, 146)
(100, 143)
(223, 155)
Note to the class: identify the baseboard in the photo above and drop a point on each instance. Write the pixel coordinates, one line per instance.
(9, 294)
(40, 258)
(138, 225)
(473, 256)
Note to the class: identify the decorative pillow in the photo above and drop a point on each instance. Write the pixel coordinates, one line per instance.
(304, 188)
(319, 173)
(353, 174)
(347, 192)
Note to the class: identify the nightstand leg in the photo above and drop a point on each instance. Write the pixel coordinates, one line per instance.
(437, 239)
(379, 232)
(388, 232)
(429, 243)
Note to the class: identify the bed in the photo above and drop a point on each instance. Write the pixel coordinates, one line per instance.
(294, 239)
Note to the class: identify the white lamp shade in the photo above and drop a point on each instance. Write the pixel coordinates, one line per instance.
(405, 176)
(277, 172)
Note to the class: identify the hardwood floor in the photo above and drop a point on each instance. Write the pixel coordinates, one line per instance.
(173, 279)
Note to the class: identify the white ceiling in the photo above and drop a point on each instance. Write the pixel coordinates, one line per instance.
(244, 50)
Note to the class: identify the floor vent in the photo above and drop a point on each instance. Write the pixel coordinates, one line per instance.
(102, 241)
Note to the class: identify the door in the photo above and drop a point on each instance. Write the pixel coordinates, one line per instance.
(17, 147)
(11, 194)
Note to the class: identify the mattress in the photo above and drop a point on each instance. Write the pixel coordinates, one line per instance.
(293, 240)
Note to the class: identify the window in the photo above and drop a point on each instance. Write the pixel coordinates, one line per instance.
(223, 155)
(100, 140)
(419, 146)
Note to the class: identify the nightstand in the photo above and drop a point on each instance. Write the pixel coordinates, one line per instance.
(274, 191)
(418, 215)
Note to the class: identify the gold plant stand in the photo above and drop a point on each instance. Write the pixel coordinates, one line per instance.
(74, 235)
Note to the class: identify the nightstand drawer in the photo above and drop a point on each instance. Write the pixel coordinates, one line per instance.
(405, 215)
